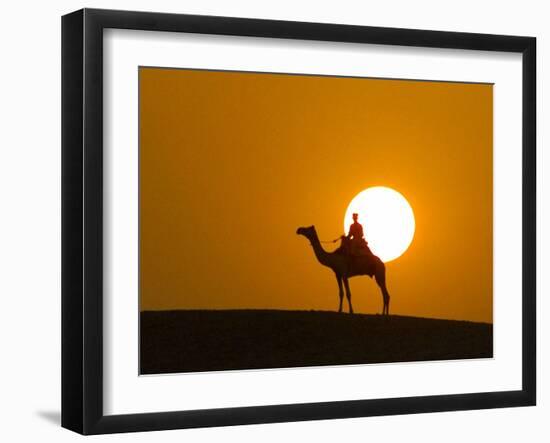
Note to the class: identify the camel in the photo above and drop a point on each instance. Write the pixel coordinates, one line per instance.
(345, 267)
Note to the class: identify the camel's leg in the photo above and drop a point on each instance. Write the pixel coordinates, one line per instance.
(380, 278)
(348, 294)
(340, 291)
(386, 300)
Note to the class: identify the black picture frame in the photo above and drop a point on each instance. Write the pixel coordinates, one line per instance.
(82, 218)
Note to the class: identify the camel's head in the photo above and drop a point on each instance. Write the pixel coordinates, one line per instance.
(308, 232)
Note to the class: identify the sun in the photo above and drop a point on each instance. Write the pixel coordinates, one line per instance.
(387, 219)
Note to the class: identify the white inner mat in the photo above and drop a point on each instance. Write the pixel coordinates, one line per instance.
(127, 392)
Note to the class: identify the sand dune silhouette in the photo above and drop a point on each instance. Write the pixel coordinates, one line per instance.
(215, 340)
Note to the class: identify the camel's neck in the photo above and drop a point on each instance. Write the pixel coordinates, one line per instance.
(322, 256)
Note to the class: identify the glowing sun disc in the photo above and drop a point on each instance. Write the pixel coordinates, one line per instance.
(387, 219)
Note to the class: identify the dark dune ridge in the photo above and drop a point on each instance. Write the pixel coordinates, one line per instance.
(214, 340)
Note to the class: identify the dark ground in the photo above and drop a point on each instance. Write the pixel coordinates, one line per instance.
(196, 340)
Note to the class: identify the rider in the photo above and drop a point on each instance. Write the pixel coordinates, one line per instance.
(358, 245)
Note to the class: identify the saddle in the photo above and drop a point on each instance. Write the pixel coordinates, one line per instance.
(354, 248)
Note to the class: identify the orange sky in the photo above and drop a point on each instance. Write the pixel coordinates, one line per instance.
(232, 163)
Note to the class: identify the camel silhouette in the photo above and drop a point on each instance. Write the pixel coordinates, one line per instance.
(345, 266)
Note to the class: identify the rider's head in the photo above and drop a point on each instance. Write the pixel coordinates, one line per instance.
(355, 216)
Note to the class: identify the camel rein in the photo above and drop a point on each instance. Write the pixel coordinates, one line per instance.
(329, 241)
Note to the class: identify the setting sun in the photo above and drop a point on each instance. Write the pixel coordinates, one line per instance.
(387, 219)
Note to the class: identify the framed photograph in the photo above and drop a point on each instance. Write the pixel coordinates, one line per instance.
(269, 221)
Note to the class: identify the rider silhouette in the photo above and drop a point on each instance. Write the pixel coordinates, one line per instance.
(358, 245)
